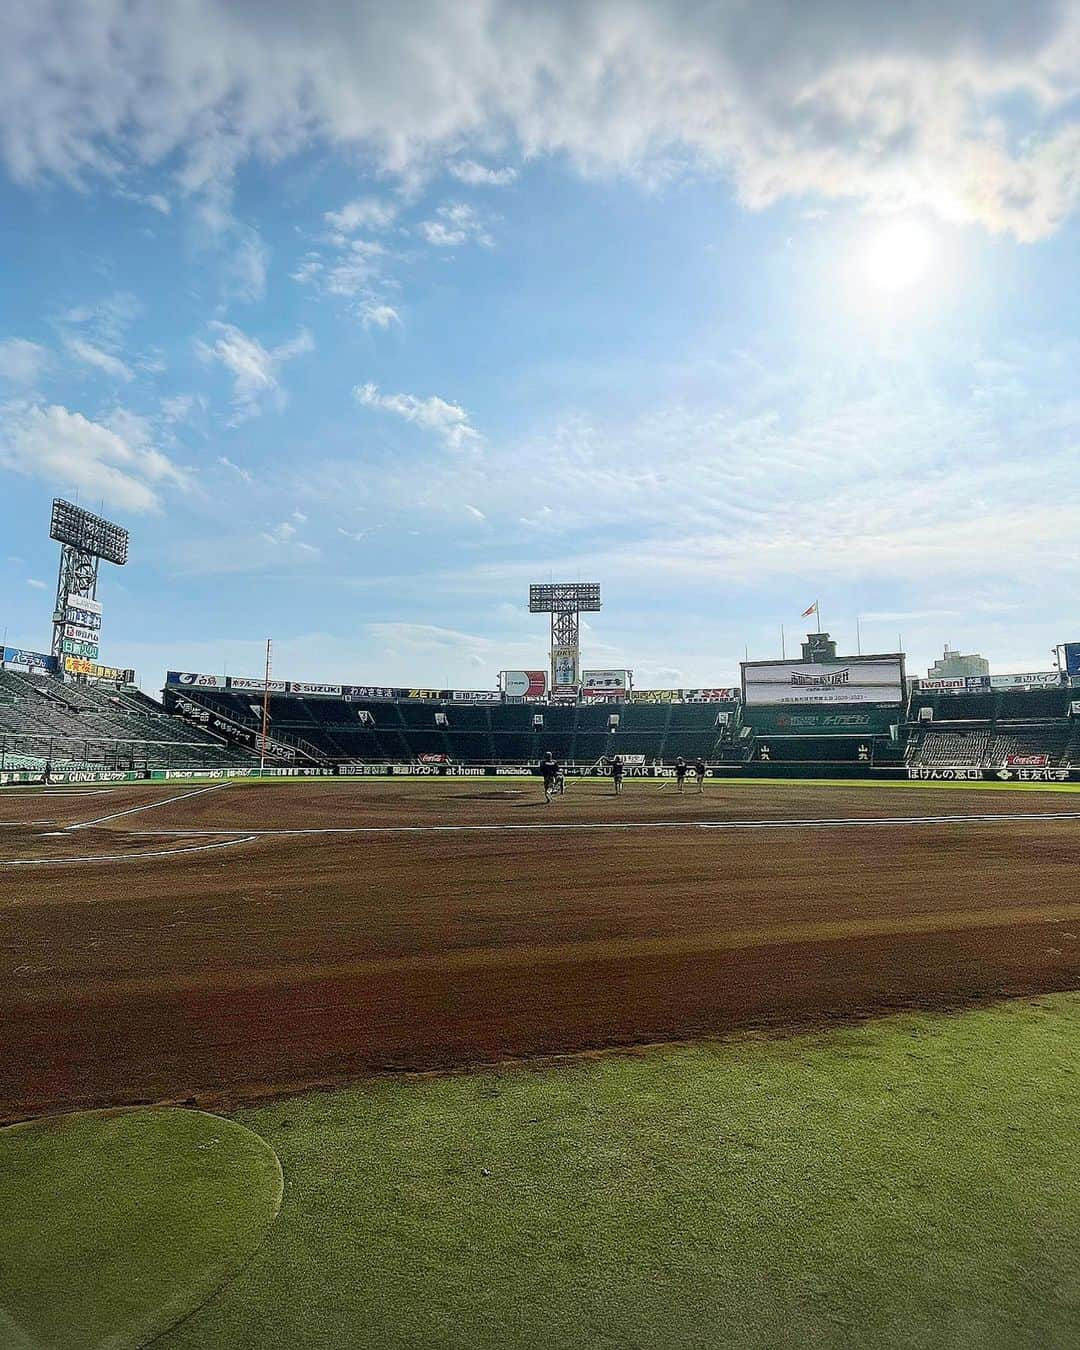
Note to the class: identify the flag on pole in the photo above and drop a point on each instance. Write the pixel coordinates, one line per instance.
(812, 610)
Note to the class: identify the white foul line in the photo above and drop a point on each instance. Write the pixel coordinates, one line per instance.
(150, 806)
(125, 857)
(813, 824)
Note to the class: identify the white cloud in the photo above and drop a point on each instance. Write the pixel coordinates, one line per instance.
(37, 585)
(154, 200)
(365, 213)
(254, 368)
(245, 268)
(95, 334)
(964, 108)
(244, 474)
(22, 362)
(117, 462)
(474, 512)
(376, 315)
(448, 420)
(281, 533)
(468, 171)
(103, 361)
(454, 224)
(177, 408)
(105, 321)
(357, 536)
(354, 269)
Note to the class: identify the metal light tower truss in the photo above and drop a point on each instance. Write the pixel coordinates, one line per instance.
(84, 539)
(564, 601)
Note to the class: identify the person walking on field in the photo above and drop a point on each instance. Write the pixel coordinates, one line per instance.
(549, 771)
(680, 773)
(699, 774)
(617, 774)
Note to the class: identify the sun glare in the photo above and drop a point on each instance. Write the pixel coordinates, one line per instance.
(898, 256)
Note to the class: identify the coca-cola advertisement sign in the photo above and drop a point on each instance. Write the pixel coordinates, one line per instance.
(1027, 761)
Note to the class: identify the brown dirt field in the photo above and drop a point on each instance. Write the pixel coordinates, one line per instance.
(288, 960)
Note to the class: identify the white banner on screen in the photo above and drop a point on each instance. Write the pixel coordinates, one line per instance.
(823, 682)
(256, 686)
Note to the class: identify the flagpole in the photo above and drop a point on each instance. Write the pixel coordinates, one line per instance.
(783, 644)
(265, 711)
(858, 633)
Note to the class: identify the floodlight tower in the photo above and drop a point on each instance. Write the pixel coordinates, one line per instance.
(564, 601)
(84, 539)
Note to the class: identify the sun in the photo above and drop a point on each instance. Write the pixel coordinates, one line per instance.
(898, 256)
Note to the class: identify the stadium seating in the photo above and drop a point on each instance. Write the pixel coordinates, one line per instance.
(77, 726)
(972, 729)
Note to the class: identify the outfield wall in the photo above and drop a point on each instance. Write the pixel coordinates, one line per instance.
(754, 770)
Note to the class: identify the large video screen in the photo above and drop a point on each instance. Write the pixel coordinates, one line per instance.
(859, 680)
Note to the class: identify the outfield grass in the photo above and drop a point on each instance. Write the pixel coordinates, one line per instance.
(912, 1182)
(115, 1224)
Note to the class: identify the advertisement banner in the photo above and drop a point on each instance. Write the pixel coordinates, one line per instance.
(475, 696)
(432, 758)
(710, 696)
(84, 602)
(1072, 658)
(783, 720)
(366, 691)
(564, 693)
(256, 686)
(618, 680)
(78, 665)
(1037, 679)
(955, 684)
(196, 681)
(19, 656)
(80, 610)
(656, 696)
(1027, 761)
(968, 774)
(194, 712)
(89, 650)
(79, 634)
(422, 693)
(857, 680)
(564, 664)
(524, 683)
(317, 690)
(605, 695)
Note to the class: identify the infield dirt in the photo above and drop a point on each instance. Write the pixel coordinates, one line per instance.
(269, 962)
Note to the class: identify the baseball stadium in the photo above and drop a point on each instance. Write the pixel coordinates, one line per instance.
(752, 1020)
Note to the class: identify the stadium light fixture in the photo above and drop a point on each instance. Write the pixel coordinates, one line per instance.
(559, 597)
(87, 533)
(85, 541)
(564, 601)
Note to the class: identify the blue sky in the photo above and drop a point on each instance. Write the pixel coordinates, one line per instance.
(361, 319)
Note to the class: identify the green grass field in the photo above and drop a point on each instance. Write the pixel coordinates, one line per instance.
(114, 1224)
(912, 1182)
